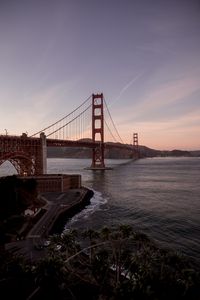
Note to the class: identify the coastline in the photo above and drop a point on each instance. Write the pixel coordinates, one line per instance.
(58, 208)
(69, 212)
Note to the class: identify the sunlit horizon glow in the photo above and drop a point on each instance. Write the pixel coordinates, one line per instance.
(144, 57)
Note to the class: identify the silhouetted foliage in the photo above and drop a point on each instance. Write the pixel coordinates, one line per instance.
(16, 195)
(123, 264)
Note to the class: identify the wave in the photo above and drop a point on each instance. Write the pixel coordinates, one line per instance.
(96, 203)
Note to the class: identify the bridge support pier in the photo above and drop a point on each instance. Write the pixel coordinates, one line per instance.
(43, 153)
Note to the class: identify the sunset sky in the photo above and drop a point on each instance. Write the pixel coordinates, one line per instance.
(143, 55)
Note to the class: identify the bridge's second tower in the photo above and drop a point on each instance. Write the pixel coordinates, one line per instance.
(136, 152)
(98, 131)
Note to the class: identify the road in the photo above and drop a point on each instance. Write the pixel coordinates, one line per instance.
(56, 203)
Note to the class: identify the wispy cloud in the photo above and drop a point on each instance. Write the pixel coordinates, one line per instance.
(165, 114)
(163, 96)
(180, 132)
(172, 92)
(40, 108)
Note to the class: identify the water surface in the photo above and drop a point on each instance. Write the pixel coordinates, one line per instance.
(160, 196)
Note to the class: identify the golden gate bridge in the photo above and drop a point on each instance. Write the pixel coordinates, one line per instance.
(28, 154)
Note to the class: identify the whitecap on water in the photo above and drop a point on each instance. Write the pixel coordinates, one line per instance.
(96, 203)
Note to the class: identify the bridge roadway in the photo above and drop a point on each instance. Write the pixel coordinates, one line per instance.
(56, 204)
(13, 140)
(82, 143)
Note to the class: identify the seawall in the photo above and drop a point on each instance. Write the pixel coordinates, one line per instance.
(60, 207)
(68, 213)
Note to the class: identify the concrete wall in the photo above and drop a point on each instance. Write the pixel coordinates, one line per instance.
(56, 182)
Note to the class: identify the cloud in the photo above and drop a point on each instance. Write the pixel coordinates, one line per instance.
(179, 133)
(156, 103)
(38, 109)
(167, 116)
(172, 92)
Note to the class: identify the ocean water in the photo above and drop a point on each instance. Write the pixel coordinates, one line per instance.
(159, 196)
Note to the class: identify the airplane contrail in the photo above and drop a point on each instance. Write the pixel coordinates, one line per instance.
(126, 87)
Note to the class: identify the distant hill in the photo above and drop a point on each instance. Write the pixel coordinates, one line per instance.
(175, 153)
(69, 152)
(114, 152)
(151, 152)
(195, 153)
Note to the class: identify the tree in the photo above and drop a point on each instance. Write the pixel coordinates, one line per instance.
(124, 265)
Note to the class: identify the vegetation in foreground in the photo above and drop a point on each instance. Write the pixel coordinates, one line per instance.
(112, 263)
(16, 194)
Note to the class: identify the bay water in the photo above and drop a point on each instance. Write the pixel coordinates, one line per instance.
(158, 196)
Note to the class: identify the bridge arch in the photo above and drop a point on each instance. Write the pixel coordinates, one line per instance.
(23, 164)
(26, 154)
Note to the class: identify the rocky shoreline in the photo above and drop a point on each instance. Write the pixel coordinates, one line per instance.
(70, 212)
(59, 207)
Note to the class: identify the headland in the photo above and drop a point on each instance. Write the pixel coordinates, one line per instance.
(62, 197)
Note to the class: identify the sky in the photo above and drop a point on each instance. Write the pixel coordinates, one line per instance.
(143, 55)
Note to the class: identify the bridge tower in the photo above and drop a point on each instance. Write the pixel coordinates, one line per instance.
(43, 154)
(136, 153)
(98, 132)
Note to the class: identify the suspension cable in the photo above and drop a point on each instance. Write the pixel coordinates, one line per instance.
(110, 131)
(113, 122)
(69, 121)
(61, 119)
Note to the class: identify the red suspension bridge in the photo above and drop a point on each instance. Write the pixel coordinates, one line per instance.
(28, 154)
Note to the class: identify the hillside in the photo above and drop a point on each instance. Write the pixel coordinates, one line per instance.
(115, 152)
